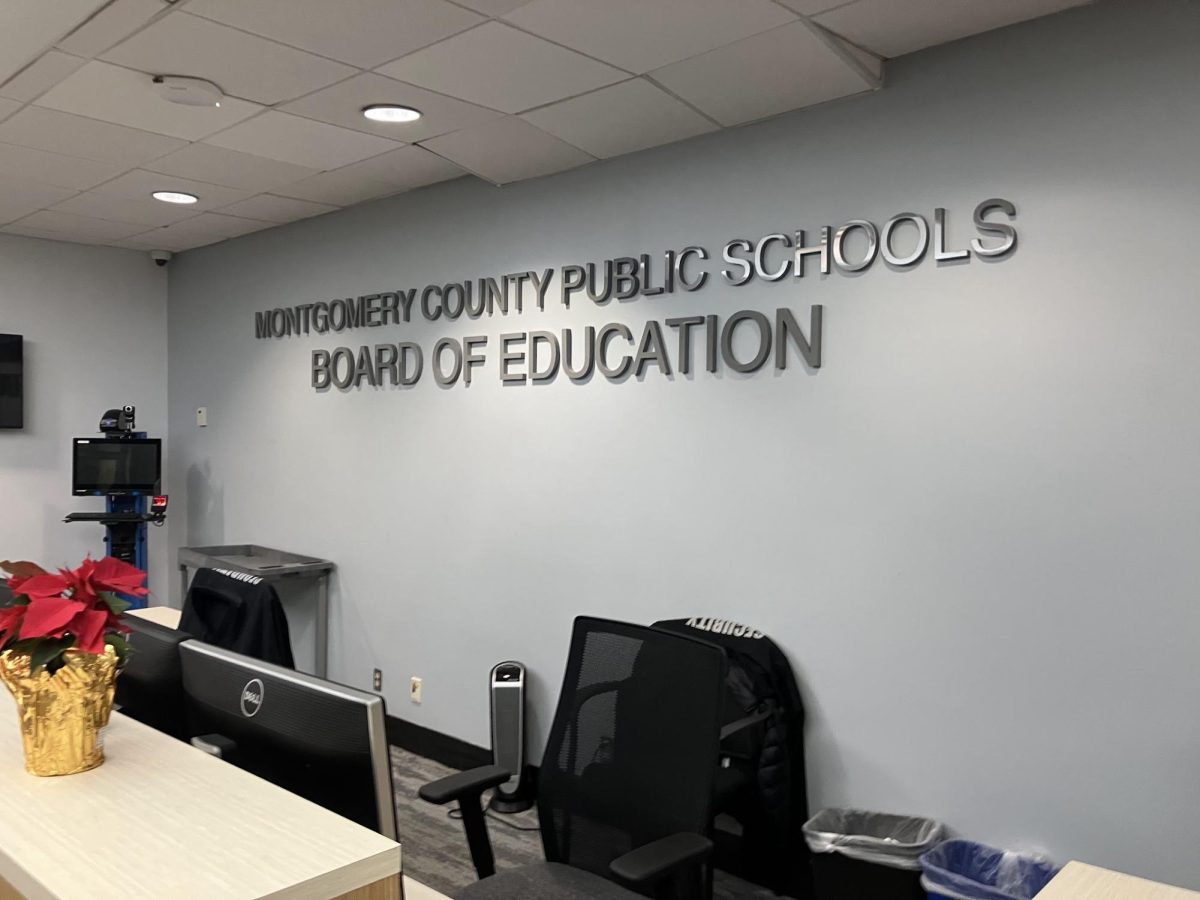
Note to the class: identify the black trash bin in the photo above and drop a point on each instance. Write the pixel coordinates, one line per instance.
(858, 854)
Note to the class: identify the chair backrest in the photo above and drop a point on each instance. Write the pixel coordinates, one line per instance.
(633, 748)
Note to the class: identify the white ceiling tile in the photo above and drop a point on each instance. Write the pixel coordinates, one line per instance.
(364, 33)
(892, 29)
(620, 119)
(812, 7)
(132, 244)
(177, 238)
(66, 237)
(114, 23)
(340, 188)
(19, 197)
(410, 167)
(508, 149)
(241, 64)
(27, 27)
(42, 74)
(125, 97)
(216, 165)
(640, 36)
(143, 211)
(342, 105)
(8, 107)
(493, 7)
(226, 226)
(503, 68)
(782, 69)
(270, 208)
(380, 176)
(304, 142)
(59, 132)
(79, 226)
(45, 167)
(142, 183)
(46, 234)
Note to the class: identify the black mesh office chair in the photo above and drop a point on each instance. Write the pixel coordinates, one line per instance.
(626, 782)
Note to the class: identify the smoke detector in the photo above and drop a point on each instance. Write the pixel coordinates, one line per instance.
(187, 91)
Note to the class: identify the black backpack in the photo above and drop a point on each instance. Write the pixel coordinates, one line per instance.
(762, 782)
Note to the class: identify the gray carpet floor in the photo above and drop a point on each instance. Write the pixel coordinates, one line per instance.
(435, 851)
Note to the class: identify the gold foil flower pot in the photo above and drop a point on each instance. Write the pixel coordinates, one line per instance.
(62, 715)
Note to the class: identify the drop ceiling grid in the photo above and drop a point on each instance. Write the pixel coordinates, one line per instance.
(603, 96)
(557, 97)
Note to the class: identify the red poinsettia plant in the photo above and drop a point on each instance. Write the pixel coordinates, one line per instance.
(78, 609)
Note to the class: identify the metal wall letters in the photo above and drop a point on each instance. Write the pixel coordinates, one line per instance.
(614, 350)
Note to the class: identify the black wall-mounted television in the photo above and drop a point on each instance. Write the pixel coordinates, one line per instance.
(12, 381)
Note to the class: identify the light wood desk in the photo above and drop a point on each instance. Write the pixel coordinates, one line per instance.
(1079, 881)
(163, 615)
(161, 819)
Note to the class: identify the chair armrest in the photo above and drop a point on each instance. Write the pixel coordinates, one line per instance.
(467, 788)
(652, 861)
(472, 782)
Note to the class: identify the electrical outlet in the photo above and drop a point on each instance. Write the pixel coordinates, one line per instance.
(202, 416)
(377, 679)
(414, 690)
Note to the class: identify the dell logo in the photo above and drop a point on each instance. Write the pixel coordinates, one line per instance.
(252, 697)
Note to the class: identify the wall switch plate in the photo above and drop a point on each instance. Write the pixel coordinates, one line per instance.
(202, 416)
(414, 690)
(377, 679)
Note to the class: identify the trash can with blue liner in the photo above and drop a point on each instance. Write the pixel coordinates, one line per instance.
(858, 855)
(965, 870)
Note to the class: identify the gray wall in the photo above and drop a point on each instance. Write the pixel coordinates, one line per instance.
(95, 327)
(974, 529)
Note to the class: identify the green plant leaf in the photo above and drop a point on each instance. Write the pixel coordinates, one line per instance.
(115, 603)
(48, 652)
(119, 644)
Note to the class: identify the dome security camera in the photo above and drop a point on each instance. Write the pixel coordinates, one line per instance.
(161, 257)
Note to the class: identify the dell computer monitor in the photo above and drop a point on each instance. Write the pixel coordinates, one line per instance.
(318, 739)
(118, 466)
(150, 688)
(12, 381)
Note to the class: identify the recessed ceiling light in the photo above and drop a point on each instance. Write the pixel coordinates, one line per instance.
(390, 112)
(174, 197)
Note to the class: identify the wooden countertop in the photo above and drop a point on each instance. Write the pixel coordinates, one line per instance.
(161, 819)
(1079, 881)
(163, 615)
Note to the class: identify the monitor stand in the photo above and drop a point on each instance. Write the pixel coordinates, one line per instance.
(124, 522)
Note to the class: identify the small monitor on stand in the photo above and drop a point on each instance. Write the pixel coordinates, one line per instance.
(115, 466)
(321, 740)
(125, 467)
